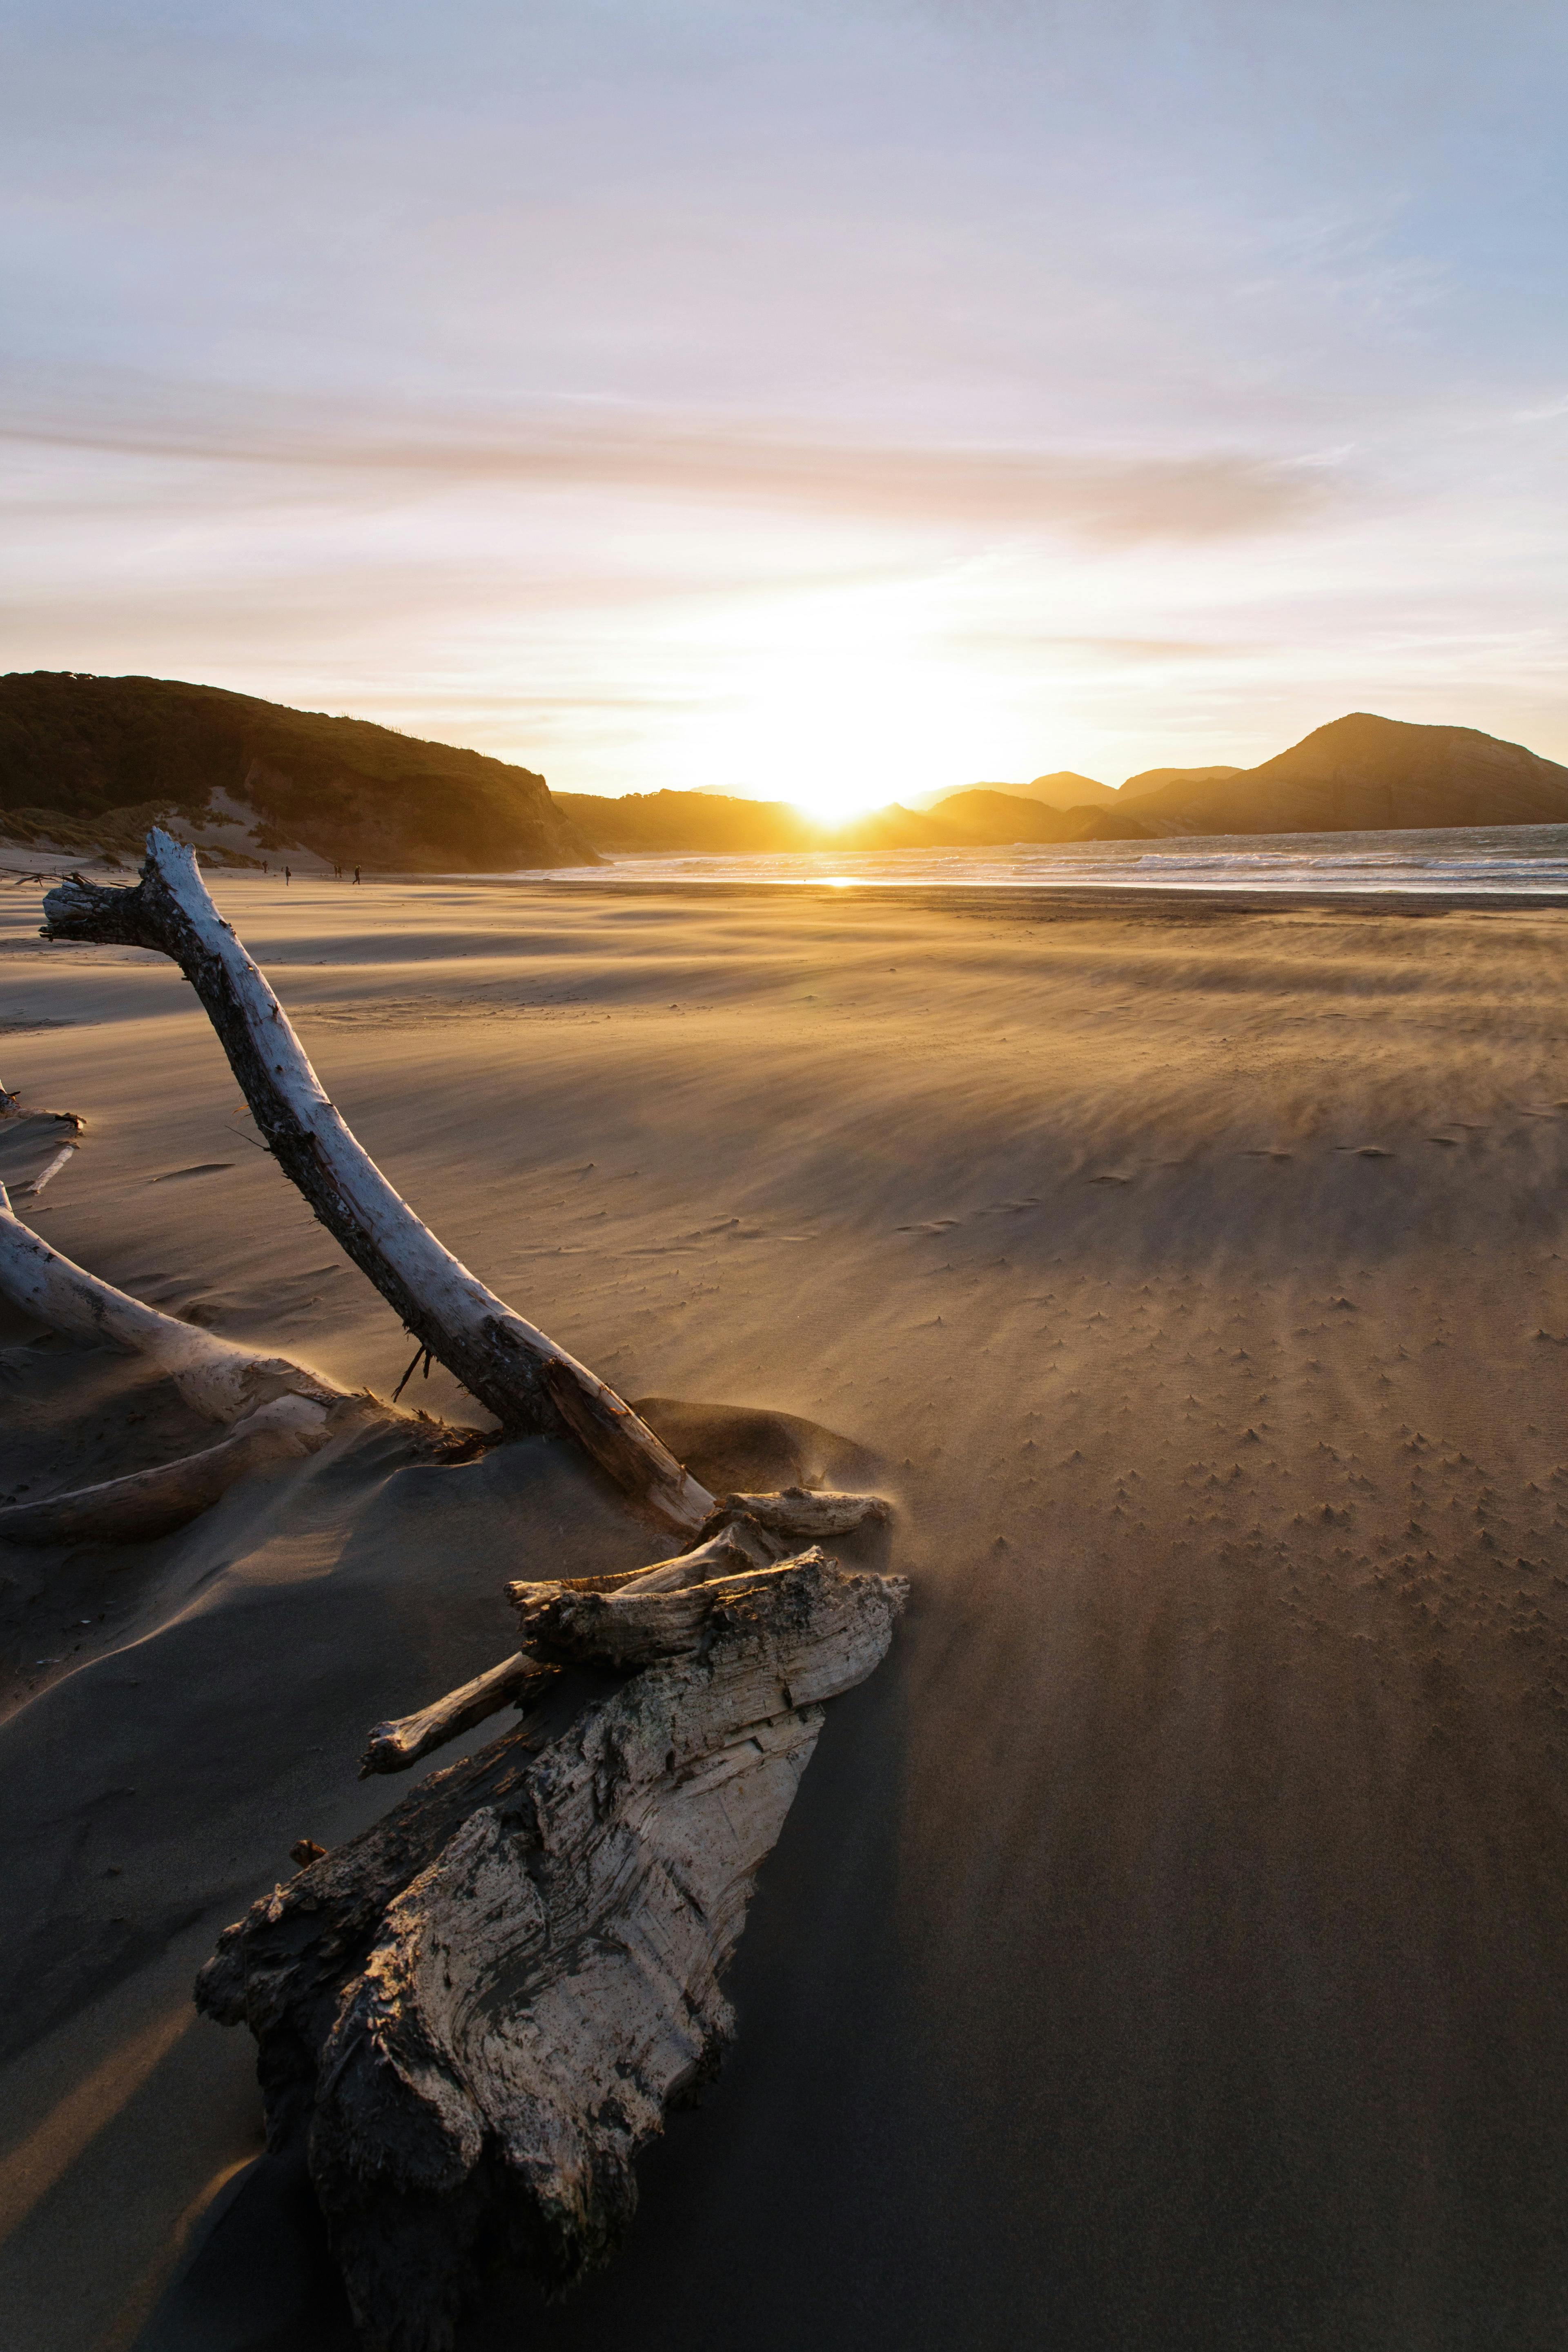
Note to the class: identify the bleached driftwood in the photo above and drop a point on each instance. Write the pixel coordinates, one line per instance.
(800, 1514)
(632, 1627)
(739, 1543)
(274, 1407)
(154, 1502)
(219, 1378)
(393, 1746)
(476, 2012)
(51, 1168)
(524, 1378)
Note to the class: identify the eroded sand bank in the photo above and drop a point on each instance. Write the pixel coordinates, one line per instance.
(1166, 1947)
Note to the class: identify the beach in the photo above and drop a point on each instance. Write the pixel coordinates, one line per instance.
(1164, 1946)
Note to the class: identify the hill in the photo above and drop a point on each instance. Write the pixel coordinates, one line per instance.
(1063, 789)
(1153, 779)
(654, 825)
(94, 760)
(983, 815)
(710, 824)
(707, 823)
(1114, 824)
(1362, 773)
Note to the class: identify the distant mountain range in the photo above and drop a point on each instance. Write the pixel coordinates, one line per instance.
(1064, 790)
(1364, 774)
(1151, 779)
(1359, 774)
(86, 763)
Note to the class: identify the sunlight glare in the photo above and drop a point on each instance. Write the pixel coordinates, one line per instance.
(850, 702)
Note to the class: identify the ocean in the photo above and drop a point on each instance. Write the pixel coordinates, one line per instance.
(1511, 861)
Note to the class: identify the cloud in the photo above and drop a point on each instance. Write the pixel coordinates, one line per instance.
(1113, 649)
(1105, 497)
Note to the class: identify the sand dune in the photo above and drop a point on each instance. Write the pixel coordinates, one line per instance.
(1165, 1947)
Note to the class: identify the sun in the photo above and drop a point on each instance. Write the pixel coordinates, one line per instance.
(843, 700)
(855, 732)
(835, 800)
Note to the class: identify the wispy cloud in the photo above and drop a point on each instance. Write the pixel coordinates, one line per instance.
(1108, 496)
(713, 394)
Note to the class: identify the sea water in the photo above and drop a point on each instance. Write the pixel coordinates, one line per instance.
(1520, 861)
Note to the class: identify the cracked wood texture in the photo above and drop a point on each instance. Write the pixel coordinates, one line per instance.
(523, 1376)
(480, 2009)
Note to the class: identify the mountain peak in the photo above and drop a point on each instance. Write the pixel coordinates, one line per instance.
(1365, 773)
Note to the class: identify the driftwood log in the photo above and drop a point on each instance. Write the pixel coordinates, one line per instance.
(476, 2012)
(524, 1378)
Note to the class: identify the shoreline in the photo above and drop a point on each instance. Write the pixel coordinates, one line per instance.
(1109, 898)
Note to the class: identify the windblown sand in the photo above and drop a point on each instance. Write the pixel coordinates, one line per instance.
(1167, 1947)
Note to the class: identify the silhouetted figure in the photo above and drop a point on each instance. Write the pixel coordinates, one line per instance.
(288, 875)
(356, 873)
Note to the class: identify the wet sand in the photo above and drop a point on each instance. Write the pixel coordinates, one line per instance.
(1166, 1947)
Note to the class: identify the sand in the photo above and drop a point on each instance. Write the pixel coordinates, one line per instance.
(1165, 1949)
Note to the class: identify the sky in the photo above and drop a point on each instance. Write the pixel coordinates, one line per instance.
(822, 402)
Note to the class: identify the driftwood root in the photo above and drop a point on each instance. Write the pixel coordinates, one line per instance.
(479, 2010)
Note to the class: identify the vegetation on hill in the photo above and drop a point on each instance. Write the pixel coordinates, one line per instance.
(86, 759)
(1363, 774)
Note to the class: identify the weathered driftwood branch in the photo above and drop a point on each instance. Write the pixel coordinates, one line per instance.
(739, 1544)
(34, 1145)
(51, 1168)
(154, 1502)
(219, 1378)
(393, 1746)
(478, 2012)
(632, 1627)
(523, 1376)
(274, 1408)
(801, 1514)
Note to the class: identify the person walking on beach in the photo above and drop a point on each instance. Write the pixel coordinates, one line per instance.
(288, 875)
(356, 873)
